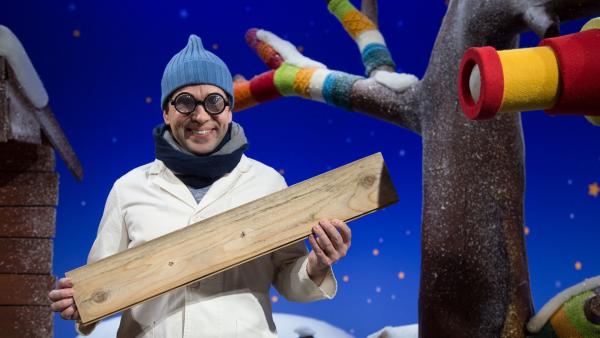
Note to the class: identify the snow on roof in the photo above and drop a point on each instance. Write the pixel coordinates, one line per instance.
(12, 50)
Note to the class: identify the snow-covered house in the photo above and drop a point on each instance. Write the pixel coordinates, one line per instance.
(28, 193)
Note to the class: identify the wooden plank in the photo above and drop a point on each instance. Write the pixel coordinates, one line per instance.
(27, 222)
(231, 238)
(25, 255)
(20, 156)
(25, 289)
(28, 189)
(25, 321)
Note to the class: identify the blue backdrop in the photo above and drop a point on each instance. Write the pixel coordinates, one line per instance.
(101, 62)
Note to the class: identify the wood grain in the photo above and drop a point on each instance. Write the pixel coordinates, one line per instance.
(253, 229)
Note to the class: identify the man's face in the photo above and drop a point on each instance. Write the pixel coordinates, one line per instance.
(198, 132)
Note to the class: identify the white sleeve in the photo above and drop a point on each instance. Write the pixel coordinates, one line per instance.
(111, 238)
(112, 234)
(291, 277)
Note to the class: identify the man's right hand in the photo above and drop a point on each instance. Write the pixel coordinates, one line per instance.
(62, 300)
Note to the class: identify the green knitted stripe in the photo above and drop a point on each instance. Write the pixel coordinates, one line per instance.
(284, 79)
(340, 8)
(574, 312)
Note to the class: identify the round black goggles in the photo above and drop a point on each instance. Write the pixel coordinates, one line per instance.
(185, 103)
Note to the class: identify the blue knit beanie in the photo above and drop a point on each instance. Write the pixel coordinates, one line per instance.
(195, 65)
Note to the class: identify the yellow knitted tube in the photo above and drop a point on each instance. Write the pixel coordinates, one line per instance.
(531, 79)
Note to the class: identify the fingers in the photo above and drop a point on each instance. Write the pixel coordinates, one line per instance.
(322, 259)
(61, 305)
(334, 236)
(325, 243)
(344, 230)
(60, 294)
(70, 313)
(65, 283)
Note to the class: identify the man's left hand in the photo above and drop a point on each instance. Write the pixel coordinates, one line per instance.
(330, 241)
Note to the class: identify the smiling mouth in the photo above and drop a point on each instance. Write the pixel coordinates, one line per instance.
(201, 132)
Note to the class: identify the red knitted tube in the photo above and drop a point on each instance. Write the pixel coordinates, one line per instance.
(263, 88)
(578, 58)
(492, 83)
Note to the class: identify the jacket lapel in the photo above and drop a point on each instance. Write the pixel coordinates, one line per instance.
(165, 179)
(223, 185)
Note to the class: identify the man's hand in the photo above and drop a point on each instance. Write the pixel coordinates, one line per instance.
(330, 241)
(62, 300)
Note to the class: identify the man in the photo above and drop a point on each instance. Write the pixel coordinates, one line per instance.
(200, 170)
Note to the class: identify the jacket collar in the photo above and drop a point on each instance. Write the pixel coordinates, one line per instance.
(164, 178)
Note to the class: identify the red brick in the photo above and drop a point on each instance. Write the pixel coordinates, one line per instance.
(20, 156)
(25, 321)
(27, 222)
(26, 255)
(25, 289)
(28, 189)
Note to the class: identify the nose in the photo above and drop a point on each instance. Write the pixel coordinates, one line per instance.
(200, 115)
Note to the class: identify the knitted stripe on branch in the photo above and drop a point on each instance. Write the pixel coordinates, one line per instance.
(284, 78)
(268, 55)
(243, 95)
(263, 88)
(368, 37)
(315, 88)
(302, 81)
(265, 52)
(355, 23)
(337, 89)
(375, 55)
(562, 326)
(574, 311)
(352, 19)
(340, 8)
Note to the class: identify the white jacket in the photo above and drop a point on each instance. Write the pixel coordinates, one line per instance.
(149, 202)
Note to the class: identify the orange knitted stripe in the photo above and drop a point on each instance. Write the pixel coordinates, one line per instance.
(265, 51)
(302, 81)
(243, 95)
(355, 23)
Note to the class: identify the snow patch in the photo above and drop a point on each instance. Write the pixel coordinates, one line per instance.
(407, 331)
(287, 51)
(12, 49)
(397, 82)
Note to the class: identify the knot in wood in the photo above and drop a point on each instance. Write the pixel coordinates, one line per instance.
(100, 296)
(243, 234)
(367, 181)
(171, 263)
(591, 308)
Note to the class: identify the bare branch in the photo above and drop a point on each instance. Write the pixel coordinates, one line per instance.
(369, 8)
(378, 101)
(542, 21)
